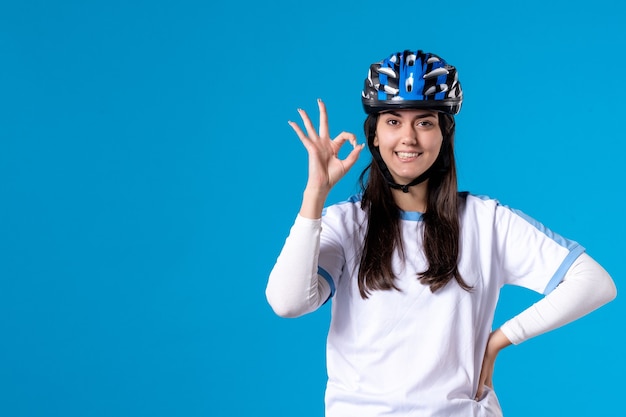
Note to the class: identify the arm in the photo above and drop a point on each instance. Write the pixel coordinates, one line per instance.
(585, 287)
(294, 287)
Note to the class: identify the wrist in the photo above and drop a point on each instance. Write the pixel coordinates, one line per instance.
(313, 201)
(497, 342)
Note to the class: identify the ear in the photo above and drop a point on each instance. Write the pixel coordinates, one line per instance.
(375, 143)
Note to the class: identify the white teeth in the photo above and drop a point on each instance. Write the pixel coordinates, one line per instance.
(408, 154)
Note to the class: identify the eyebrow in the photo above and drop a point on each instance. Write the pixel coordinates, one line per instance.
(417, 116)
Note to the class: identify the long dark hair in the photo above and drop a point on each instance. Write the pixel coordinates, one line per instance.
(441, 221)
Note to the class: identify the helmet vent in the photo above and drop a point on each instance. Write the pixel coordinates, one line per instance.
(388, 72)
(410, 60)
(436, 72)
(390, 90)
(409, 83)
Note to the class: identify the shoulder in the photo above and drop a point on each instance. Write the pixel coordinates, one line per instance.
(487, 205)
(486, 211)
(345, 215)
(481, 202)
(472, 204)
(346, 208)
(483, 211)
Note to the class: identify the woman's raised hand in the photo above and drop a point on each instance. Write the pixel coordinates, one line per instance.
(325, 167)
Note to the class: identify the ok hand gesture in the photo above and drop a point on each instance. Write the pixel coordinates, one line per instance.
(325, 167)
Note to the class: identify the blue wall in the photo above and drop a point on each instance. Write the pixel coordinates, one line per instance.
(148, 178)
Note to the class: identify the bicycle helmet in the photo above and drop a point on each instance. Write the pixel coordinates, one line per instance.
(412, 80)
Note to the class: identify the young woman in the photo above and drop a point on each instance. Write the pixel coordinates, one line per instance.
(413, 267)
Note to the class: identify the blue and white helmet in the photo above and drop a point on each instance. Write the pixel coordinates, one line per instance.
(412, 80)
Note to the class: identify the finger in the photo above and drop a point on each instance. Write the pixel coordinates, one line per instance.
(344, 137)
(353, 156)
(479, 393)
(298, 131)
(304, 139)
(323, 119)
(481, 381)
(312, 133)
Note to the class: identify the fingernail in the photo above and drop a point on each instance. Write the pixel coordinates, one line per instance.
(319, 100)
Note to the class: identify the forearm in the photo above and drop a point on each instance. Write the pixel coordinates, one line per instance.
(294, 287)
(586, 287)
(497, 341)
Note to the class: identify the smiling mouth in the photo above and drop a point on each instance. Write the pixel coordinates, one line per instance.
(408, 155)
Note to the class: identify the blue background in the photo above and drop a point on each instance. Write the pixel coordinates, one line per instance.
(148, 178)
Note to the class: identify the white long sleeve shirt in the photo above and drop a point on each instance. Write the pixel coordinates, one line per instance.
(414, 350)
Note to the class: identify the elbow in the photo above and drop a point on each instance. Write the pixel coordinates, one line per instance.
(286, 313)
(597, 284)
(604, 291)
(283, 308)
(606, 287)
(611, 291)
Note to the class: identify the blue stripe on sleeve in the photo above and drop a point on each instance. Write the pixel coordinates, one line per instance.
(330, 281)
(565, 265)
(566, 243)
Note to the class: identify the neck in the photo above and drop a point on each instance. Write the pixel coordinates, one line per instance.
(414, 199)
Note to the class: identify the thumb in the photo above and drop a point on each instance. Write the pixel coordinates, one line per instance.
(353, 156)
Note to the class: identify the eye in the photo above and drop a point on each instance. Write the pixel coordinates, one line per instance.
(424, 123)
(393, 122)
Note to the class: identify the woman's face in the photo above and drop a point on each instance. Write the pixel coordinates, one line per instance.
(409, 142)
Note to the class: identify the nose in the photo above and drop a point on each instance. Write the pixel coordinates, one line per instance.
(409, 135)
